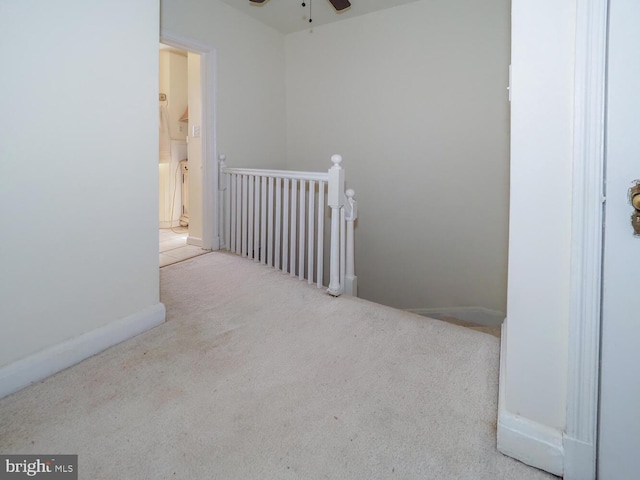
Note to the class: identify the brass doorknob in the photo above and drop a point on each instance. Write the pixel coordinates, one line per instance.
(634, 195)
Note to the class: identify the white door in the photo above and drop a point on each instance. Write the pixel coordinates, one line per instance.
(619, 429)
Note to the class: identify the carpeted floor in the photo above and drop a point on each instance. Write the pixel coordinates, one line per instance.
(256, 375)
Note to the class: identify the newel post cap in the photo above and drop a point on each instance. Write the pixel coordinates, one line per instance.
(337, 160)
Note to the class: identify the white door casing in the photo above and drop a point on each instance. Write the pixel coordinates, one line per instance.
(619, 426)
(209, 178)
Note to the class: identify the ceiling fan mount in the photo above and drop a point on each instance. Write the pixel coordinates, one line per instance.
(339, 5)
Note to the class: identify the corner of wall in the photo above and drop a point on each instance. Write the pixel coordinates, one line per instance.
(530, 442)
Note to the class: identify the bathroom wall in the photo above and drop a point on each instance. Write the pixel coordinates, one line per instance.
(173, 82)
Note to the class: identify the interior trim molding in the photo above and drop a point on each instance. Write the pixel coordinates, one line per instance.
(530, 442)
(195, 241)
(587, 239)
(209, 81)
(36, 367)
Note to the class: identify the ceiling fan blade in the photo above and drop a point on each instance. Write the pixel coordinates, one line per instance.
(340, 4)
(257, 1)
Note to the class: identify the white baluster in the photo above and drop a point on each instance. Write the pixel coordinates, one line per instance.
(335, 201)
(263, 222)
(310, 256)
(321, 210)
(250, 219)
(351, 281)
(294, 207)
(256, 221)
(278, 221)
(270, 223)
(343, 246)
(244, 214)
(238, 212)
(232, 217)
(285, 227)
(303, 213)
(227, 203)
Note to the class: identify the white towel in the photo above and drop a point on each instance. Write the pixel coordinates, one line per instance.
(165, 136)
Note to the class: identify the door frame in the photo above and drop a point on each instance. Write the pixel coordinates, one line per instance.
(208, 82)
(581, 433)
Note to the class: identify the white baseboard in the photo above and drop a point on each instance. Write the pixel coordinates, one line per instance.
(20, 374)
(478, 315)
(579, 459)
(194, 241)
(530, 442)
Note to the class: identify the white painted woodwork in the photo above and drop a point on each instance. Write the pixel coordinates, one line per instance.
(250, 220)
(232, 245)
(245, 214)
(302, 216)
(350, 280)
(285, 228)
(311, 215)
(580, 434)
(294, 220)
(321, 210)
(619, 440)
(256, 219)
(335, 202)
(270, 222)
(278, 221)
(263, 220)
(238, 213)
(343, 246)
(272, 219)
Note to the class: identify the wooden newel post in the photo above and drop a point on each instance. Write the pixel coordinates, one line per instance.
(335, 200)
(351, 214)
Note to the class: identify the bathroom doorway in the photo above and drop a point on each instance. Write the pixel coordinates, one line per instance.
(181, 136)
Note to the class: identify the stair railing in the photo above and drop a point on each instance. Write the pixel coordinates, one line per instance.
(277, 218)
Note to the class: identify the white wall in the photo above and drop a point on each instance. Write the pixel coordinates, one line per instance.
(79, 242)
(250, 95)
(534, 372)
(540, 218)
(414, 97)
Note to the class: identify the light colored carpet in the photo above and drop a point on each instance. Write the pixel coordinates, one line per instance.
(495, 331)
(257, 375)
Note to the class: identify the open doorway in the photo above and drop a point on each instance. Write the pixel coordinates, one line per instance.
(181, 135)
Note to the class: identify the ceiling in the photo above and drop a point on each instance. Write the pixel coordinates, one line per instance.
(288, 16)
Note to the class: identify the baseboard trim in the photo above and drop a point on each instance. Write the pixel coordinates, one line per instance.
(530, 442)
(194, 241)
(22, 373)
(579, 459)
(478, 315)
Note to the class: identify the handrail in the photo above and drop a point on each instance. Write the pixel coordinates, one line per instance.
(270, 216)
(290, 174)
